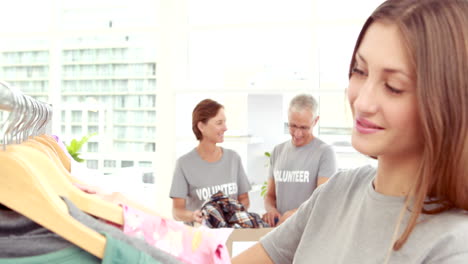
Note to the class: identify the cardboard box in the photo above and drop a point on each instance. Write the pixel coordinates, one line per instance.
(243, 238)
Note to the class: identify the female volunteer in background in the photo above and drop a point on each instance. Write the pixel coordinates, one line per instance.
(408, 91)
(208, 168)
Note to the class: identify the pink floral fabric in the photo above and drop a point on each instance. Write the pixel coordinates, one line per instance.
(189, 244)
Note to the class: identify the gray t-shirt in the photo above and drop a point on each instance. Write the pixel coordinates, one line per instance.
(21, 237)
(196, 180)
(296, 169)
(347, 221)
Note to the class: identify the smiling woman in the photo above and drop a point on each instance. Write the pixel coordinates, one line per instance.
(383, 98)
(408, 92)
(208, 168)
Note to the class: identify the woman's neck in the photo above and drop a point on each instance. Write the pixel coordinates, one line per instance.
(395, 177)
(209, 151)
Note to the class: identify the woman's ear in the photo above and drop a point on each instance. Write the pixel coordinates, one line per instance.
(201, 126)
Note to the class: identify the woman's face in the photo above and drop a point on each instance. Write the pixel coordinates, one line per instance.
(382, 95)
(213, 130)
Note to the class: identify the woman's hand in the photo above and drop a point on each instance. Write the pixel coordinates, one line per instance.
(197, 216)
(180, 213)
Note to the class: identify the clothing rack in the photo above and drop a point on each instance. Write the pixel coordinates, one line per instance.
(35, 176)
(28, 116)
(6, 97)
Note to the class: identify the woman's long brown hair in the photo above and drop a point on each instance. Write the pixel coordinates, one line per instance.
(436, 37)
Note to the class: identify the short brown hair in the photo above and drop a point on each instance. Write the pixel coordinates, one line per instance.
(204, 111)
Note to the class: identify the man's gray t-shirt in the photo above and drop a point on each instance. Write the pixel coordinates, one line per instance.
(196, 180)
(296, 169)
(347, 221)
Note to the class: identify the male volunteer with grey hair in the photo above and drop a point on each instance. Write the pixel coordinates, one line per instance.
(299, 165)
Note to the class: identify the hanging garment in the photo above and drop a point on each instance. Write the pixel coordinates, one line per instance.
(117, 252)
(116, 233)
(71, 255)
(22, 241)
(22, 237)
(191, 245)
(222, 211)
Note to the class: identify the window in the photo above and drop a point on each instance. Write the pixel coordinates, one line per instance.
(77, 131)
(93, 117)
(109, 163)
(92, 164)
(93, 147)
(145, 164)
(93, 129)
(76, 116)
(127, 163)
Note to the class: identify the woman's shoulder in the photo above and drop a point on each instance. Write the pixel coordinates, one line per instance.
(230, 153)
(358, 173)
(351, 178)
(454, 220)
(192, 154)
(448, 233)
(344, 186)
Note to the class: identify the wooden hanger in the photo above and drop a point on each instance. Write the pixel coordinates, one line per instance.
(28, 192)
(50, 142)
(114, 196)
(109, 212)
(44, 146)
(38, 146)
(53, 172)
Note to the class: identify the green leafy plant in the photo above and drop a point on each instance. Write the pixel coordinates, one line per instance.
(264, 188)
(76, 145)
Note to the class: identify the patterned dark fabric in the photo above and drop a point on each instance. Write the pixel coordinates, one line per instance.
(222, 211)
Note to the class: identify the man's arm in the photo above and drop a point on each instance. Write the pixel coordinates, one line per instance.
(270, 204)
(244, 200)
